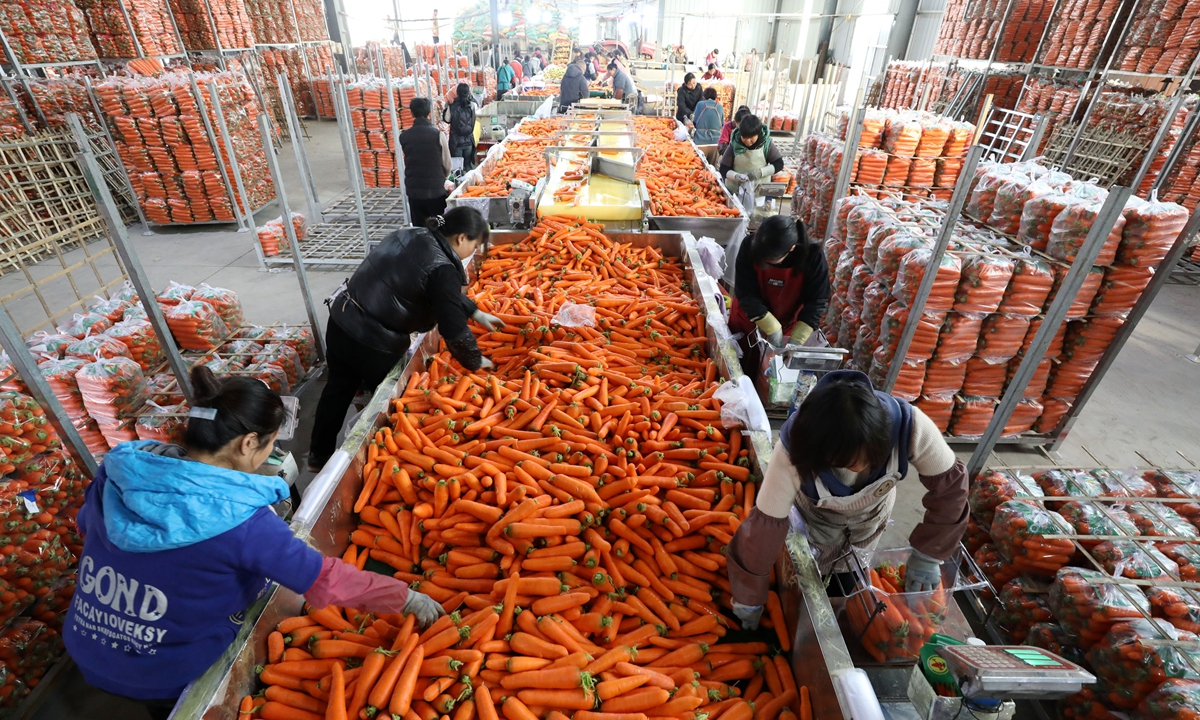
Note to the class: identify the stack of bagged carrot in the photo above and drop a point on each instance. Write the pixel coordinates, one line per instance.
(568, 510)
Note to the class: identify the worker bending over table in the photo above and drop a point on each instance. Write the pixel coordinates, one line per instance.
(838, 460)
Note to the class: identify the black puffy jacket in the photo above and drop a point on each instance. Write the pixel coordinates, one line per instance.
(410, 283)
(573, 87)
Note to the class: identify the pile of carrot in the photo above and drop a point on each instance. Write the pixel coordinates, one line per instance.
(676, 177)
(522, 160)
(569, 510)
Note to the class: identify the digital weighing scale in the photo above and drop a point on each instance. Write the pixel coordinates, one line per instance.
(1013, 672)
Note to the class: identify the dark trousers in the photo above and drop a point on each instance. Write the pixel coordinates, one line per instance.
(466, 151)
(421, 209)
(352, 366)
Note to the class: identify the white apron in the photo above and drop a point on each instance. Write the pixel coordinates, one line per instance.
(839, 525)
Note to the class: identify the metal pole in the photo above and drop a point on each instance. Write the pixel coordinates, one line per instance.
(397, 151)
(247, 211)
(957, 200)
(802, 118)
(1165, 129)
(1161, 274)
(137, 45)
(306, 181)
(81, 137)
(212, 138)
(26, 365)
(1189, 129)
(341, 104)
(16, 103)
(1035, 139)
(133, 266)
(297, 260)
(1054, 317)
(849, 155)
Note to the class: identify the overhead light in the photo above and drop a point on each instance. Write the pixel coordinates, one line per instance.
(505, 17)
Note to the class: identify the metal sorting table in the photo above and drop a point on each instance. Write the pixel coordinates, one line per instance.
(722, 229)
(325, 520)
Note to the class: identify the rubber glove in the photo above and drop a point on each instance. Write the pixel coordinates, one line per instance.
(486, 364)
(744, 178)
(491, 322)
(922, 573)
(801, 333)
(749, 615)
(771, 329)
(424, 607)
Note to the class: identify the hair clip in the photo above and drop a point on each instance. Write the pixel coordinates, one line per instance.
(204, 413)
(441, 221)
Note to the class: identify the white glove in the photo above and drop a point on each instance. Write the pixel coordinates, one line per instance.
(749, 615)
(922, 573)
(765, 171)
(486, 364)
(775, 338)
(491, 322)
(424, 607)
(743, 178)
(733, 176)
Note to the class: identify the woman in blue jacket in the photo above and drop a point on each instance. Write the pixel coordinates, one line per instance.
(179, 541)
(708, 118)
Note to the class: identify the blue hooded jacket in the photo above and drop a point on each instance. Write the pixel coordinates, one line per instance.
(174, 551)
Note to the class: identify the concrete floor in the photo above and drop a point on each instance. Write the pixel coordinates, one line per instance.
(1145, 410)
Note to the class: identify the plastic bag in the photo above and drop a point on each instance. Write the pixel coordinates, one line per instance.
(85, 324)
(877, 298)
(299, 338)
(984, 377)
(995, 568)
(958, 338)
(902, 137)
(162, 423)
(1001, 336)
(1066, 483)
(984, 279)
(111, 309)
(1070, 229)
(273, 376)
(1135, 656)
(1011, 197)
(97, 346)
(1174, 699)
(908, 381)
(859, 280)
(1018, 530)
(1160, 520)
(1032, 280)
(1022, 603)
(1037, 384)
(43, 343)
(907, 619)
(51, 608)
(983, 196)
(135, 312)
(1126, 485)
(1068, 378)
(1178, 484)
(976, 536)
(944, 377)
(1053, 410)
(865, 343)
(1051, 636)
(195, 325)
(113, 389)
(912, 270)
(740, 407)
(1150, 231)
(994, 487)
(1136, 561)
(894, 248)
(1087, 292)
(273, 239)
(1087, 340)
(875, 237)
(572, 315)
(712, 256)
(175, 293)
(1121, 288)
(1056, 343)
(1178, 606)
(971, 416)
(1087, 607)
(938, 409)
(225, 302)
(1038, 214)
(60, 376)
(142, 342)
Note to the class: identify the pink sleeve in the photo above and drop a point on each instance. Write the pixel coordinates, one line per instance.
(343, 584)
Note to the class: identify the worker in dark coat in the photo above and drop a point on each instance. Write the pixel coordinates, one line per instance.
(687, 97)
(573, 87)
(781, 287)
(411, 283)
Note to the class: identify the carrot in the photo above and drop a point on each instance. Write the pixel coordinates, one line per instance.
(770, 709)
(484, 705)
(775, 611)
(382, 692)
(514, 709)
(337, 695)
(372, 668)
(299, 700)
(557, 678)
(406, 684)
(578, 699)
(527, 644)
(275, 647)
(806, 709)
(637, 701)
(272, 710)
(620, 686)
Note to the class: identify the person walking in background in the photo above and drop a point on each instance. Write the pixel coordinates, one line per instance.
(518, 69)
(460, 116)
(708, 118)
(436, 32)
(573, 87)
(687, 97)
(504, 79)
(426, 164)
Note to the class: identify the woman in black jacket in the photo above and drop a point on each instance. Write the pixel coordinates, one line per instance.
(411, 283)
(460, 116)
(686, 97)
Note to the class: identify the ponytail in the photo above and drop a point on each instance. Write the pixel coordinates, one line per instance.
(227, 408)
(461, 220)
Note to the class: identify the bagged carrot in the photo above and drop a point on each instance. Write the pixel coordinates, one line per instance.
(944, 377)
(1178, 606)
(1031, 283)
(84, 325)
(95, 347)
(1021, 604)
(141, 340)
(1160, 520)
(113, 389)
(1083, 300)
(48, 345)
(1136, 656)
(1019, 529)
(958, 337)
(1120, 289)
(1070, 229)
(1136, 561)
(1053, 410)
(225, 302)
(1178, 484)
(1174, 699)
(1024, 415)
(195, 325)
(994, 487)
(937, 408)
(1149, 232)
(912, 270)
(1087, 607)
(162, 423)
(1050, 636)
(985, 377)
(175, 293)
(984, 280)
(971, 415)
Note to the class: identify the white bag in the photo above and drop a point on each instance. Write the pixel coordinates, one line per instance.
(546, 109)
(740, 406)
(712, 255)
(572, 315)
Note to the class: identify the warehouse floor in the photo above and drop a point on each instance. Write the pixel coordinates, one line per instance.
(1145, 410)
